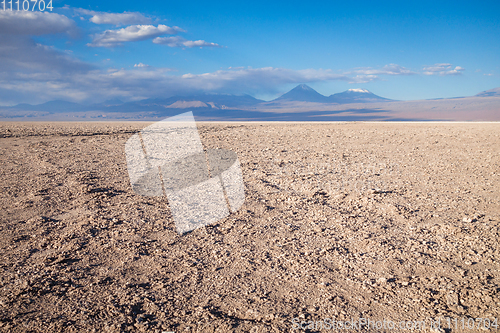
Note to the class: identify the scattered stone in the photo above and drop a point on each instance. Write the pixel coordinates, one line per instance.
(437, 330)
(293, 251)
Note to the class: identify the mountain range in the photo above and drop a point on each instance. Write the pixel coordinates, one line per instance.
(304, 93)
(300, 103)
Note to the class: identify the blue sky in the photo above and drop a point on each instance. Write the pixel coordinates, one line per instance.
(87, 51)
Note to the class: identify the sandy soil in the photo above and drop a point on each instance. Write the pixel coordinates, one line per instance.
(394, 221)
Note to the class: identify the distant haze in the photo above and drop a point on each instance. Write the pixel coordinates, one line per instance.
(302, 103)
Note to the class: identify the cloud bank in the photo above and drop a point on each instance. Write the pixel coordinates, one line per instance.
(70, 79)
(138, 29)
(125, 18)
(177, 41)
(133, 33)
(146, 82)
(442, 69)
(391, 69)
(34, 23)
(26, 65)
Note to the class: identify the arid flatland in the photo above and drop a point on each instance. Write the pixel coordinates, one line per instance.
(395, 221)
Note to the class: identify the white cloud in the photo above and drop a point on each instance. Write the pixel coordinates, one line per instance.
(370, 74)
(147, 82)
(26, 67)
(125, 18)
(20, 54)
(442, 69)
(34, 23)
(26, 64)
(138, 30)
(178, 41)
(133, 33)
(363, 78)
(256, 79)
(141, 65)
(391, 69)
(437, 67)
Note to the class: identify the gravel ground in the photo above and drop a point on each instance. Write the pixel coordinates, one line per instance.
(394, 221)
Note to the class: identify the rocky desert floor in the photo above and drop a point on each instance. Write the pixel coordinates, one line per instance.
(383, 221)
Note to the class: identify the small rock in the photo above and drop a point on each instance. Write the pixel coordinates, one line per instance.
(437, 330)
(270, 316)
(452, 299)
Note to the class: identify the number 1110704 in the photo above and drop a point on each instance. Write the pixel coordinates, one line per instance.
(27, 5)
(472, 323)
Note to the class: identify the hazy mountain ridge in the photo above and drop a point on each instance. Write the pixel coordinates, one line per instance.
(495, 92)
(301, 93)
(301, 103)
(52, 106)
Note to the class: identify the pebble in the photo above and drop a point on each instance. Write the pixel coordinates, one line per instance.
(437, 330)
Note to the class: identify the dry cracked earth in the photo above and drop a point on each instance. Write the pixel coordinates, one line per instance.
(384, 221)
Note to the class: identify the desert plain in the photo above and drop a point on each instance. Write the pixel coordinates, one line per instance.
(383, 221)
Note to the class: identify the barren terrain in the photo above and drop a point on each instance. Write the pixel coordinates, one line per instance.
(394, 221)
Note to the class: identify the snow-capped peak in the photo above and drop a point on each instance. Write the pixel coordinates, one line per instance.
(304, 87)
(359, 90)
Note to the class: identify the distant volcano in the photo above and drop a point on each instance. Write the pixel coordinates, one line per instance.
(356, 96)
(303, 93)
